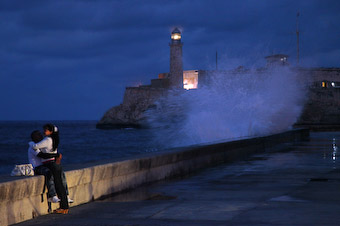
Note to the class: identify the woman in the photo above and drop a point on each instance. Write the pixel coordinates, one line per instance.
(49, 145)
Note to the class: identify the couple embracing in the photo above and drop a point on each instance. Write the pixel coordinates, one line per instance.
(43, 155)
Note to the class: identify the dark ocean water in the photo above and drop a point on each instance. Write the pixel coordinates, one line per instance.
(80, 142)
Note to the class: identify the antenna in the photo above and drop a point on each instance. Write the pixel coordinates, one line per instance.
(297, 39)
(216, 60)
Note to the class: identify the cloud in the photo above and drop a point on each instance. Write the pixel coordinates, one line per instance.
(88, 51)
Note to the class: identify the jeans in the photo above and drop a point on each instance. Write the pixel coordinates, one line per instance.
(57, 170)
(42, 170)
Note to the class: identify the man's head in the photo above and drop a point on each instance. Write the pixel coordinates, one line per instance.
(36, 136)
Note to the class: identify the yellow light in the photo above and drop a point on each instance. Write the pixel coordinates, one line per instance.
(323, 84)
(189, 84)
(175, 36)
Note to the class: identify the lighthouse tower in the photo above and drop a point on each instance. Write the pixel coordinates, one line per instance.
(176, 63)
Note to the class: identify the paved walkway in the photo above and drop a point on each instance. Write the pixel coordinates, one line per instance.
(297, 186)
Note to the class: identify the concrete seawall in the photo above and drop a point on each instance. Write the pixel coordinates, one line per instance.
(21, 199)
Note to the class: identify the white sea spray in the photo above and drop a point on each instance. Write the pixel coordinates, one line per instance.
(232, 106)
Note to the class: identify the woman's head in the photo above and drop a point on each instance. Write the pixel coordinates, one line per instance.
(49, 129)
(52, 131)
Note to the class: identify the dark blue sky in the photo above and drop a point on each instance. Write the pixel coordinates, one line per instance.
(72, 59)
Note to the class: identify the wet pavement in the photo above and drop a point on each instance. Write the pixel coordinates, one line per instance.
(299, 185)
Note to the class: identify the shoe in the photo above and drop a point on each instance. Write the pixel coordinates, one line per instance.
(69, 199)
(54, 199)
(61, 211)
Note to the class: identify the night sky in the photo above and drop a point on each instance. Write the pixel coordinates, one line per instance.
(71, 60)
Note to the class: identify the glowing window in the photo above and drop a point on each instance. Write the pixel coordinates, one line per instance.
(190, 79)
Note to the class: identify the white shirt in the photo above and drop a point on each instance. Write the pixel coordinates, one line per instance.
(45, 146)
(32, 156)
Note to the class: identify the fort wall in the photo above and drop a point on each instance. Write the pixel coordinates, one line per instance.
(129, 114)
(322, 109)
(322, 106)
(324, 74)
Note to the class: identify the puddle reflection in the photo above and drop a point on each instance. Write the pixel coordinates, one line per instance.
(335, 149)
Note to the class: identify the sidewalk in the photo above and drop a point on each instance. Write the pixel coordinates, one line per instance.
(299, 186)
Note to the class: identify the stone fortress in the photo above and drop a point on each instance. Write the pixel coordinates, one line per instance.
(321, 111)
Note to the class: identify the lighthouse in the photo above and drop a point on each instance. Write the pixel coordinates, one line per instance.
(176, 63)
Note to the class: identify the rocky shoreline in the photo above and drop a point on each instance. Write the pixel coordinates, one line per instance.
(129, 114)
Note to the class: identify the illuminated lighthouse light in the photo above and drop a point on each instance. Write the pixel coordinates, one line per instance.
(176, 36)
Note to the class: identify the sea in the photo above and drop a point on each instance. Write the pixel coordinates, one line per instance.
(80, 142)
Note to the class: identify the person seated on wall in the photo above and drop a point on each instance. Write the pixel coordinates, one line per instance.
(36, 158)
